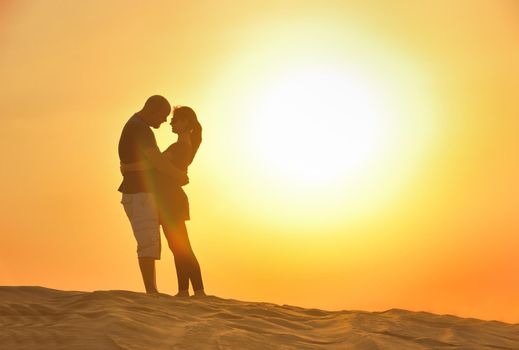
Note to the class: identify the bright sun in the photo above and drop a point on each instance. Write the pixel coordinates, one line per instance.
(317, 126)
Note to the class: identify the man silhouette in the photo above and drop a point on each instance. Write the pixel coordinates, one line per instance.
(137, 144)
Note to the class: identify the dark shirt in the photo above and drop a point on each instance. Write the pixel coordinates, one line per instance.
(136, 137)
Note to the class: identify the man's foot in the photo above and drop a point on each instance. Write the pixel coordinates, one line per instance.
(182, 294)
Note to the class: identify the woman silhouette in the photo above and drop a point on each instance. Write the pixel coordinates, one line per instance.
(171, 200)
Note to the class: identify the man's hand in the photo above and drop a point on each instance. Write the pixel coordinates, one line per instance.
(197, 127)
(183, 179)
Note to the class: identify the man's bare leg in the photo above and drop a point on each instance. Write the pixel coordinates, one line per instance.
(147, 266)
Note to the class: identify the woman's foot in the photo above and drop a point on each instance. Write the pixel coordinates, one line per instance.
(182, 294)
(200, 293)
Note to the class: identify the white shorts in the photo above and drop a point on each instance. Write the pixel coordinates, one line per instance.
(141, 210)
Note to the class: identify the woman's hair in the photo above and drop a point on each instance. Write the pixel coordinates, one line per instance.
(185, 113)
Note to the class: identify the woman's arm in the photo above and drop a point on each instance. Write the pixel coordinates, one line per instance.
(196, 140)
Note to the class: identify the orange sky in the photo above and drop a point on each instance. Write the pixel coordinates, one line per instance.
(430, 223)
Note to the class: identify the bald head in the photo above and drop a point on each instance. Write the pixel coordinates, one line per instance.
(157, 103)
(155, 110)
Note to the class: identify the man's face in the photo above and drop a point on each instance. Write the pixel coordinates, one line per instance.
(159, 117)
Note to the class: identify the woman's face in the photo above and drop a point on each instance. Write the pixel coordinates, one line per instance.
(179, 125)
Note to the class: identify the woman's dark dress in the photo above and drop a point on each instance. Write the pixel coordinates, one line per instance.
(173, 207)
(171, 199)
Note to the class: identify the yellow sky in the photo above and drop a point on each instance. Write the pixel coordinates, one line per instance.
(428, 221)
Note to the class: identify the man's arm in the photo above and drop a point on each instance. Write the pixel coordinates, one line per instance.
(161, 163)
(137, 166)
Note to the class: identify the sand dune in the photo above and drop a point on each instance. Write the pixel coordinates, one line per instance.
(41, 318)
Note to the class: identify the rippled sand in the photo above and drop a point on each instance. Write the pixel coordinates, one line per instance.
(41, 318)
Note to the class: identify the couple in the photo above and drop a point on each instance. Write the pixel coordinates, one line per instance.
(152, 193)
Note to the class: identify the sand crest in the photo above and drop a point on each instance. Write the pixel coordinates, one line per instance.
(42, 318)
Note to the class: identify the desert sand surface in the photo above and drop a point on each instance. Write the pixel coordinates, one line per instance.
(42, 318)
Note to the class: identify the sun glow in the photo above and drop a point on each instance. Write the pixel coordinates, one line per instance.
(319, 136)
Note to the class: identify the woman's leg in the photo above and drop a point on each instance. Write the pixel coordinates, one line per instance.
(186, 263)
(195, 275)
(171, 231)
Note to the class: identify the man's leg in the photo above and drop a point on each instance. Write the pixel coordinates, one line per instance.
(147, 266)
(141, 210)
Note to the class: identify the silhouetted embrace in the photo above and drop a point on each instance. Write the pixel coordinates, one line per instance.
(152, 193)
